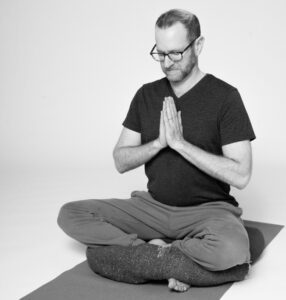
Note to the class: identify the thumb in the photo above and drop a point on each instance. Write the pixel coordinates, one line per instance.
(180, 120)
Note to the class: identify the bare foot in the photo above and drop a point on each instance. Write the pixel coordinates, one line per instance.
(158, 242)
(178, 286)
(174, 284)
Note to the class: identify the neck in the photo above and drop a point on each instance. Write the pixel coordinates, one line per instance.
(187, 83)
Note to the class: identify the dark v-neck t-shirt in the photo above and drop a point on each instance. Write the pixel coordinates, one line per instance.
(213, 115)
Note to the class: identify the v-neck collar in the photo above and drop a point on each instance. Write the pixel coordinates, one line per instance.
(170, 89)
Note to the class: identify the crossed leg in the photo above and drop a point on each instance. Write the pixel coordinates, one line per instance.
(111, 222)
(134, 221)
(102, 222)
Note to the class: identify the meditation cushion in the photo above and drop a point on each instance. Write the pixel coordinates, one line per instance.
(147, 262)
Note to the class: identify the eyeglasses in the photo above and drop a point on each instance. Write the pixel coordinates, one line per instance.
(174, 56)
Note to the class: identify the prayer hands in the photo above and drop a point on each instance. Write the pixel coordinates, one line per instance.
(171, 129)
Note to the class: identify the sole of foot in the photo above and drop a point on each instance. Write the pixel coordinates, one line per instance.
(158, 242)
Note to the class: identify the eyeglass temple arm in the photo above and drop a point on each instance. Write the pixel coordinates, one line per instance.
(153, 49)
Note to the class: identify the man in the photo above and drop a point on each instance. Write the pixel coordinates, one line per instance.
(193, 134)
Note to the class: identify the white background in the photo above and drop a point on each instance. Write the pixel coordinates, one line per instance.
(68, 71)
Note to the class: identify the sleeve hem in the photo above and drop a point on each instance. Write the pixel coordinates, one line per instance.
(131, 127)
(231, 141)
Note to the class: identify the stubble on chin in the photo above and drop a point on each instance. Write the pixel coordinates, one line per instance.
(174, 77)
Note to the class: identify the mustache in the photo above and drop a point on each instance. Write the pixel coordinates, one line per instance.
(171, 69)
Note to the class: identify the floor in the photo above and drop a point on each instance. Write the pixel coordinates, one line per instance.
(34, 250)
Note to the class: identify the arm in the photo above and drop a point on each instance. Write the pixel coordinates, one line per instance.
(233, 167)
(129, 154)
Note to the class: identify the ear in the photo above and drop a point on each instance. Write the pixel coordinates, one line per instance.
(199, 44)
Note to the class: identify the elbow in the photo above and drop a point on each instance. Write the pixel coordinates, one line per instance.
(243, 182)
(119, 167)
(241, 186)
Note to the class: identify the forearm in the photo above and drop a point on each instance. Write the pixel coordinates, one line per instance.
(130, 157)
(220, 167)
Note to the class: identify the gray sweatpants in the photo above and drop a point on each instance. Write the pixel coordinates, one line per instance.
(211, 234)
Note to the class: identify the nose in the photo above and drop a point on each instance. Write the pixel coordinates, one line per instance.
(167, 62)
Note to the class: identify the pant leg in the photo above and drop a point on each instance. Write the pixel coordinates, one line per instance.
(217, 240)
(111, 222)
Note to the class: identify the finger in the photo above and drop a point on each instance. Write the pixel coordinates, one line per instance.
(170, 113)
(161, 120)
(180, 120)
(180, 117)
(165, 108)
(173, 107)
(165, 117)
(173, 114)
(166, 99)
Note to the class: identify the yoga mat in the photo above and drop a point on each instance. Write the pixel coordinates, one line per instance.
(80, 283)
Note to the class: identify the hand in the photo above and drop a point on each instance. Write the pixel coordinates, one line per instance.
(172, 123)
(162, 135)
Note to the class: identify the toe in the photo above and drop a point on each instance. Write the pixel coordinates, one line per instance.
(172, 283)
(181, 287)
(177, 285)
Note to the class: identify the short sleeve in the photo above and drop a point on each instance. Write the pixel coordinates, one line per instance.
(234, 122)
(132, 120)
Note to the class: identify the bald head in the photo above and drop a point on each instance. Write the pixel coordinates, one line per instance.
(189, 20)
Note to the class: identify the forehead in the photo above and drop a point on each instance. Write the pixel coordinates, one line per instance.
(174, 37)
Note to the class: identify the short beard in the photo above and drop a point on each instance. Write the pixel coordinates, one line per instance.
(182, 74)
(178, 78)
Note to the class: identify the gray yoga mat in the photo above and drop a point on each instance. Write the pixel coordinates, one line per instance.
(80, 283)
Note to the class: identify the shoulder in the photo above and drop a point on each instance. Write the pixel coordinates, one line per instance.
(155, 86)
(150, 93)
(220, 86)
(222, 93)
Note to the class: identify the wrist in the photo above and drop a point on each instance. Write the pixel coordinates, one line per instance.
(157, 145)
(178, 145)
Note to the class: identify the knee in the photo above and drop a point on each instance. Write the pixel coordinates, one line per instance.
(68, 214)
(231, 253)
